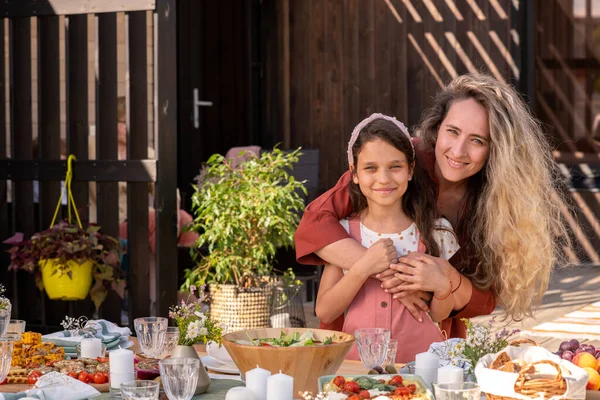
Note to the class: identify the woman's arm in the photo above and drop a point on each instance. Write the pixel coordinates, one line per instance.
(320, 227)
(442, 304)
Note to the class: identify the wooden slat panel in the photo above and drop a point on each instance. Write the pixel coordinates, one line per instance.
(21, 138)
(107, 139)
(137, 193)
(91, 170)
(166, 215)
(300, 104)
(49, 111)
(416, 71)
(77, 102)
(319, 110)
(23, 8)
(351, 111)
(396, 32)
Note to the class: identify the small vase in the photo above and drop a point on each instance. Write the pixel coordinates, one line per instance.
(190, 352)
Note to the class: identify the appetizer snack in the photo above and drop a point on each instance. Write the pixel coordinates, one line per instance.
(383, 387)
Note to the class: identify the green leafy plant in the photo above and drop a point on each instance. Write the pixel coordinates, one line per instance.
(243, 215)
(64, 242)
(195, 325)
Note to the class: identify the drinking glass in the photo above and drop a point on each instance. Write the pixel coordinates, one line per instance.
(390, 356)
(150, 333)
(139, 390)
(372, 345)
(5, 358)
(171, 339)
(457, 391)
(179, 377)
(16, 326)
(4, 319)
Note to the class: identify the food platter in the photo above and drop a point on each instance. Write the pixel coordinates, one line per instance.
(423, 392)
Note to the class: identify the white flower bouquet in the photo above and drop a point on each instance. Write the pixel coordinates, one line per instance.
(195, 325)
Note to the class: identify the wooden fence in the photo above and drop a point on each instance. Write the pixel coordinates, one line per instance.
(18, 71)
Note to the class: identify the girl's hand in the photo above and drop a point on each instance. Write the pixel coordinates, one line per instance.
(415, 302)
(423, 272)
(379, 257)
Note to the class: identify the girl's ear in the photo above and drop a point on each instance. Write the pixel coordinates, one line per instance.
(353, 173)
(412, 171)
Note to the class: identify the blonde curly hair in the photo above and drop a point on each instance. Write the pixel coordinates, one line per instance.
(511, 224)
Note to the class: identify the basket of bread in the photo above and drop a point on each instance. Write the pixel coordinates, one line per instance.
(529, 372)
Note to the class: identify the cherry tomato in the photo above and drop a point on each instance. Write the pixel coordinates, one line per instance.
(106, 376)
(364, 394)
(396, 380)
(4, 381)
(98, 378)
(401, 391)
(339, 381)
(84, 377)
(33, 377)
(412, 388)
(351, 387)
(72, 374)
(354, 397)
(266, 345)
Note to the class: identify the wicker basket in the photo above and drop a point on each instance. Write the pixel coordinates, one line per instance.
(240, 309)
(533, 387)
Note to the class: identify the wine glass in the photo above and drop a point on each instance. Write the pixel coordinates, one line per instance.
(150, 333)
(179, 377)
(5, 358)
(372, 345)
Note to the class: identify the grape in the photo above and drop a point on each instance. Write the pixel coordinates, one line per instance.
(574, 344)
(579, 350)
(590, 350)
(378, 369)
(560, 353)
(591, 346)
(567, 355)
(597, 355)
(566, 345)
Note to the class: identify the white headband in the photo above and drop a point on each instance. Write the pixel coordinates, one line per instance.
(368, 120)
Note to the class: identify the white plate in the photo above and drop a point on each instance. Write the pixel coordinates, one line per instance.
(217, 366)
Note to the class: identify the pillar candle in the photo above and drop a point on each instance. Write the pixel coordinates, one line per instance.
(116, 379)
(90, 348)
(256, 381)
(427, 360)
(450, 374)
(121, 361)
(280, 387)
(240, 393)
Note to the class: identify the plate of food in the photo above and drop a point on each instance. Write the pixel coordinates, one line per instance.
(383, 387)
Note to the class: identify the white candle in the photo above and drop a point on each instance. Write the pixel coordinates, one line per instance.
(427, 360)
(429, 375)
(280, 387)
(240, 393)
(90, 348)
(450, 374)
(116, 379)
(121, 361)
(256, 381)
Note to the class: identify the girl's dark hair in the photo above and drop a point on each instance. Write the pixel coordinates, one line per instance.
(419, 201)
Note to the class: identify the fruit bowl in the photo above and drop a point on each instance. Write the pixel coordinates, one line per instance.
(305, 363)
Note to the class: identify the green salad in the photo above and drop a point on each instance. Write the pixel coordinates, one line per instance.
(294, 339)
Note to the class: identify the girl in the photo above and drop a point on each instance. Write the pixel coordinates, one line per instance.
(394, 214)
(495, 181)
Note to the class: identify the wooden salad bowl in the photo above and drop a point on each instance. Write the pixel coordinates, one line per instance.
(305, 363)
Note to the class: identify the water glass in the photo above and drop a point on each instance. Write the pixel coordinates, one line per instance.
(139, 390)
(171, 339)
(372, 345)
(5, 358)
(457, 391)
(179, 377)
(150, 333)
(390, 357)
(16, 326)
(4, 319)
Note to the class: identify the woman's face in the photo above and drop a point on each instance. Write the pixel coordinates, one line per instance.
(382, 173)
(463, 141)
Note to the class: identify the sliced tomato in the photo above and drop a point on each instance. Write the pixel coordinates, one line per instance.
(33, 377)
(364, 394)
(352, 387)
(339, 381)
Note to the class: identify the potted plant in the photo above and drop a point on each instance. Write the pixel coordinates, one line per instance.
(242, 215)
(66, 258)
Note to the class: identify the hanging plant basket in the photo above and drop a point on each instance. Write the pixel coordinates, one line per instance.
(74, 285)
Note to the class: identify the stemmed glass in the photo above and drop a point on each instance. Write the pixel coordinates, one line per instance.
(179, 377)
(372, 345)
(5, 358)
(150, 333)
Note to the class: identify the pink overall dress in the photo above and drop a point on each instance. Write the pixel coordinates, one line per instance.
(374, 308)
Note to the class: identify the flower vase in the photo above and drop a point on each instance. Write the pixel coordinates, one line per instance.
(4, 316)
(190, 352)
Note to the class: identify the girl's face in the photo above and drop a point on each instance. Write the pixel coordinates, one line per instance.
(463, 141)
(382, 172)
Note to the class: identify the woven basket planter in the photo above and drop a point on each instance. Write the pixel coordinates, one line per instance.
(240, 309)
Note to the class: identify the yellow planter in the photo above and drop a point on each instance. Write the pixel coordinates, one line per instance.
(63, 287)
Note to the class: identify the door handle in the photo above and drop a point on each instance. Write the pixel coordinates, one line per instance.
(197, 103)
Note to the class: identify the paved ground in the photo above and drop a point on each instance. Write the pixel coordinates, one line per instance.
(570, 289)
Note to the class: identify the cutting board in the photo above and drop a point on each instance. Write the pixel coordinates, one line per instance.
(15, 388)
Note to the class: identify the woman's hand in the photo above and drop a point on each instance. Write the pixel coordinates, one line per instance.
(422, 272)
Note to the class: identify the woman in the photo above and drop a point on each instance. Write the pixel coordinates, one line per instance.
(496, 184)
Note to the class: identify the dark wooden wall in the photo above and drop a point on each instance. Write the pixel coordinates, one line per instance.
(330, 63)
